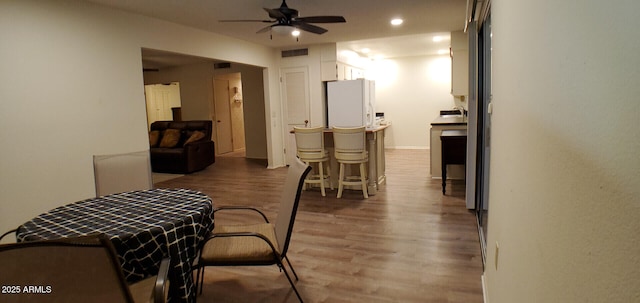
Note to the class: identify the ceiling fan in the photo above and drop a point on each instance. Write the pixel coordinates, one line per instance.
(286, 19)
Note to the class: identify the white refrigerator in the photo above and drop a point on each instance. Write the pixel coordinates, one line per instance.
(351, 103)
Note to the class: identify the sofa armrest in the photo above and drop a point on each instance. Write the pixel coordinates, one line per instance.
(199, 155)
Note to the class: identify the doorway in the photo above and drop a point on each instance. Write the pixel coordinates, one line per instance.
(228, 113)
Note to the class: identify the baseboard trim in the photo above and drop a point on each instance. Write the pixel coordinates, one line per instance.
(484, 290)
(407, 147)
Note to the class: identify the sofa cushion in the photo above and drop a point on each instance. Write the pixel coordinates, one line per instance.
(154, 138)
(170, 138)
(195, 136)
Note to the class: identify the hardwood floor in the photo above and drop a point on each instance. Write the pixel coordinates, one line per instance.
(408, 243)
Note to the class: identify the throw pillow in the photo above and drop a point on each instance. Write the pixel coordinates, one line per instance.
(197, 135)
(154, 137)
(170, 138)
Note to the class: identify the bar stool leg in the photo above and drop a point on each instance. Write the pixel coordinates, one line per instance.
(321, 176)
(341, 177)
(363, 179)
(329, 175)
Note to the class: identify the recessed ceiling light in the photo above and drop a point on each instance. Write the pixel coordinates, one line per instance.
(397, 21)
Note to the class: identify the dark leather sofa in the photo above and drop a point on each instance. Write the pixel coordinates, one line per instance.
(187, 147)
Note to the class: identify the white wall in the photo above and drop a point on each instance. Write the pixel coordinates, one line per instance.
(71, 86)
(411, 91)
(196, 88)
(565, 167)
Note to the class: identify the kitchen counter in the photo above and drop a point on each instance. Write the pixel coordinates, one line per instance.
(439, 124)
(368, 130)
(450, 120)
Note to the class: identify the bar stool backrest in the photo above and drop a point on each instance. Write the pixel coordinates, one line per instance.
(349, 142)
(309, 142)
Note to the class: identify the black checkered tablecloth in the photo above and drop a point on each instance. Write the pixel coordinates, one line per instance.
(144, 226)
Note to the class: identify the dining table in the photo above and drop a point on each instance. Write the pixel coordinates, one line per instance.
(145, 226)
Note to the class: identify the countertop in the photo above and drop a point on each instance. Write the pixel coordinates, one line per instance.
(450, 120)
(373, 129)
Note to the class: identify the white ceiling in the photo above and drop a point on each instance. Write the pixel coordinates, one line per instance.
(367, 26)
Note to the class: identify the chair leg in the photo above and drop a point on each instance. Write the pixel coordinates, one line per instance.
(340, 178)
(196, 280)
(321, 176)
(329, 175)
(293, 271)
(363, 178)
(289, 278)
(200, 277)
(305, 185)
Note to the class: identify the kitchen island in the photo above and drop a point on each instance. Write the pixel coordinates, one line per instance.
(376, 172)
(445, 122)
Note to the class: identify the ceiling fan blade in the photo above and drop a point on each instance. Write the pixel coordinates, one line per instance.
(274, 13)
(322, 19)
(264, 30)
(308, 27)
(264, 21)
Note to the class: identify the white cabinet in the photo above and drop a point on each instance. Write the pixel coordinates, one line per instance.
(459, 64)
(329, 71)
(334, 70)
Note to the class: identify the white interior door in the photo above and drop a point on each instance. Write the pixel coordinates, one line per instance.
(295, 95)
(224, 141)
(160, 99)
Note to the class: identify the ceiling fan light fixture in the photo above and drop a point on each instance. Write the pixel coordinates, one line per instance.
(295, 32)
(283, 30)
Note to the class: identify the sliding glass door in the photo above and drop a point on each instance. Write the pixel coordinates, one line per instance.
(479, 143)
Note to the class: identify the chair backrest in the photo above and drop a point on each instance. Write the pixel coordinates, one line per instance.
(309, 141)
(13, 231)
(289, 200)
(82, 269)
(122, 172)
(349, 140)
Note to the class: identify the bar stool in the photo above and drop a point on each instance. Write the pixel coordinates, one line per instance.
(350, 148)
(310, 149)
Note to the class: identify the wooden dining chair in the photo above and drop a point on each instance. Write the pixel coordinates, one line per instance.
(257, 244)
(81, 269)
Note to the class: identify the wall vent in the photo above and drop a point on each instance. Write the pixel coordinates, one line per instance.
(222, 65)
(295, 52)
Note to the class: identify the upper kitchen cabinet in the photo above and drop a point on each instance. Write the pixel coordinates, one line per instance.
(332, 71)
(334, 67)
(459, 64)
